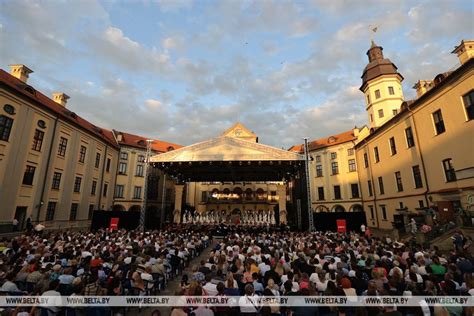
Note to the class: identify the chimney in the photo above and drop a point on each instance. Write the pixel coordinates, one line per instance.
(465, 51)
(60, 98)
(20, 71)
(422, 86)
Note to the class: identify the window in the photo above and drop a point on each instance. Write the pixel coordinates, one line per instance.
(409, 137)
(380, 112)
(50, 211)
(368, 98)
(369, 187)
(91, 211)
(6, 124)
(139, 172)
(107, 168)
(82, 154)
(421, 204)
(321, 193)
(355, 190)
(394, 112)
(352, 165)
(376, 154)
(62, 146)
(137, 192)
(77, 184)
(469, 104)
(417, 177)
(73, 213)
(29, 175)
(371, 118)
(141, 158)
(391, 91)
(371, 208)
(438, 122)
(449, 172)
(384, 212)
(337, 192)
(333, 155)
(104, 192)
(94, 187)
(124, 155)
(402, 207)
(56, 181)
(350, 151)
(204, 196)
(398, 179)
(393, 146)
(119, 191)
(318, 158)
(122, 168)
(334, 168)
(97, 160)
(381, 188)
(319, 170)
(366, 160)
(37, 140)
(377, 94)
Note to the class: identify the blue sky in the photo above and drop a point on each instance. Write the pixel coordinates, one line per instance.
(184, 71)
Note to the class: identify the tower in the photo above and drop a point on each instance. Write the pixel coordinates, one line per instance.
(382, 86)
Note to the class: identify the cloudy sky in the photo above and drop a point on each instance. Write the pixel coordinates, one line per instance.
(184, 71)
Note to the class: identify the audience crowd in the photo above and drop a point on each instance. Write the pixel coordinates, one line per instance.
(94, 263)
(276, 263)
(245, 262)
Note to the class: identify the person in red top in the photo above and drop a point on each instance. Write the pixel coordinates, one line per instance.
(96, 261)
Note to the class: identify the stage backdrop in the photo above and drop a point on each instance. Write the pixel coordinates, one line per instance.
(327, 221)
(127, 220)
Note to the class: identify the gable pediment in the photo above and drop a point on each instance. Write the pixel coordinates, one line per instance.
(226, 149)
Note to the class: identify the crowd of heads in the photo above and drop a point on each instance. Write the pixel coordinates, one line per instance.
(96, 263)
(330, 264)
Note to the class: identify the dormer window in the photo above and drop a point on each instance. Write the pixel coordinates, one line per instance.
(331, 140)
(170, 148)
(141, 142)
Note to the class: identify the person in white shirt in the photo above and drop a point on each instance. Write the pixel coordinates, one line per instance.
(248, 302)
(362, 229)
(209, 287)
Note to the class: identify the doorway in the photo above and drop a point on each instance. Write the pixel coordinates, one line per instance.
(20, 215)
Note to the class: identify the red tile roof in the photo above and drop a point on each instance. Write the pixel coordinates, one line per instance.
(140, 142)
(326, 142)
(43, 101)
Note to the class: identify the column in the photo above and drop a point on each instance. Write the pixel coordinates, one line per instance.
(178, 201)
(281, 192)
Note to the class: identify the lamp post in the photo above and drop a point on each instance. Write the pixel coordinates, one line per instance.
(308, 185)
(145, 186)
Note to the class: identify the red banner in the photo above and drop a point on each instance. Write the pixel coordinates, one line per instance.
(341, 225)
(114, 223)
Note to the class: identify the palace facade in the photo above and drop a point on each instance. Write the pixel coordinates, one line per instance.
(414, 159)
(57, 168)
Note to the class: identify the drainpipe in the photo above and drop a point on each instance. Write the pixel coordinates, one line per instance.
(43, 189)
(421, 157)
(102, 176)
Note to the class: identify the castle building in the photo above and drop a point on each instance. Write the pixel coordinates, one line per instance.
(56, 168)
(415, 159)
(333, 173)
(129, 191)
